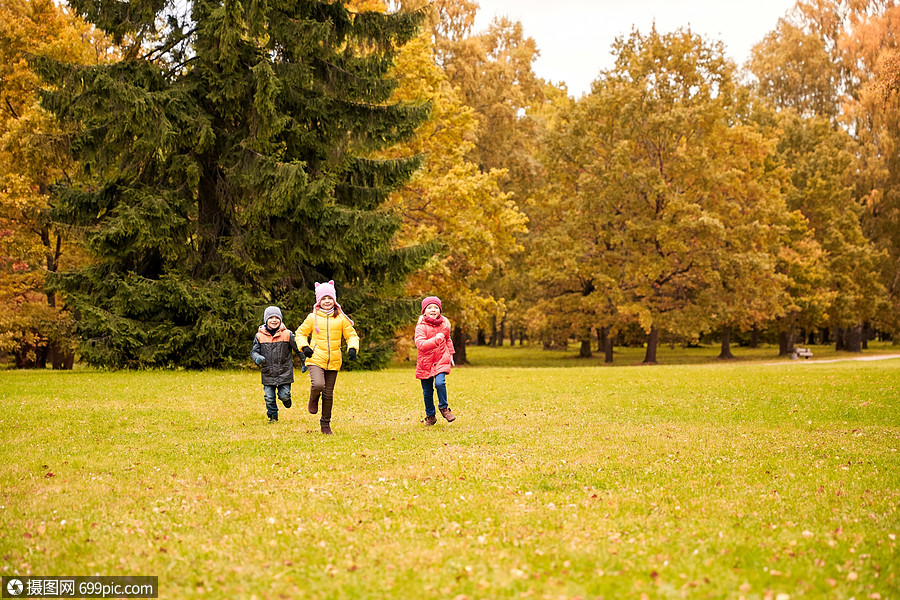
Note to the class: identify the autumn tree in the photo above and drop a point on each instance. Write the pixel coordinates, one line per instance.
(871, 45)
(493, 73)
(671, 212)
(35, 327)
(226, 165)
(571, 262)
(451, 201)
(808, 71)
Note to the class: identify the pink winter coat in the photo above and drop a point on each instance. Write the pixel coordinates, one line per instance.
(435, 355)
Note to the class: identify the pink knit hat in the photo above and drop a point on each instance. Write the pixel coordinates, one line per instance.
(431, 300)
(325, 289)
(322, 290)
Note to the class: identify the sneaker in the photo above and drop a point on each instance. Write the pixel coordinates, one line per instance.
(445, 412)
(430, 420)
(326, 429)
(273, 420)
(287, 402)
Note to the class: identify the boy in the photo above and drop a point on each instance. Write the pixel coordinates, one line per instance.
(273, 347)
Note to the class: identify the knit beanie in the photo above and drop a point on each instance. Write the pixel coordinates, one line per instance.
(322, 290)
(272, 311)
(431, 300)
(325, 289)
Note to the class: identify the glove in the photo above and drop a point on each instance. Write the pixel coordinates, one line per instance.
(352, 353)
(439, 337)
(307, 351)
(260, 361)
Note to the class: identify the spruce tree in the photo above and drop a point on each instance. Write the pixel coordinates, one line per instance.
(225, 168)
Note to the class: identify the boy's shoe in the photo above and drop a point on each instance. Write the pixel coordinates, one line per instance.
(326, 429)
(313, 406)
(273, 420)
(430, 420)
(445, 412)
(287, 402)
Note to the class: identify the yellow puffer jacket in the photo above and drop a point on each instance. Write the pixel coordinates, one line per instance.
(326, 343)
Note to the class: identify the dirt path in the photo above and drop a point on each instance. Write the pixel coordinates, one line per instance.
(813, 361)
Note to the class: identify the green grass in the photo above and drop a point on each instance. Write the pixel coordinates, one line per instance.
(700, 481)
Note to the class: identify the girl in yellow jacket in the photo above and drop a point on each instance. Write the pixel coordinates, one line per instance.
(320, 339)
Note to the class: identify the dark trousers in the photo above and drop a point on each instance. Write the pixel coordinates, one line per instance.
(322, 384)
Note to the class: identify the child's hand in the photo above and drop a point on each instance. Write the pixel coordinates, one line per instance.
(439, 337)
(352, 353)
(307, 351)
(260, 361)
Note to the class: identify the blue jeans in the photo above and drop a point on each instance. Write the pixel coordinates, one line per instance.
(284, 392)
(440, 384)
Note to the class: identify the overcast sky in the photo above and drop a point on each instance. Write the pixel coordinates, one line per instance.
(574, 36)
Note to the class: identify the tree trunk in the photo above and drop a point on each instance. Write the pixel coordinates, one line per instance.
(480, 340)
(607, 345)
(826, 339)
(754, 337)
(61, 359)
(839, 341)
(52, 259)
(853, 339)
(785, 342)
(512, 337)
(502, 334)
(210, 220)
(652, 343)
(494, 331)
(546, 341)
(459, 344)
(867, 334)
(585, 351)
(725, 353)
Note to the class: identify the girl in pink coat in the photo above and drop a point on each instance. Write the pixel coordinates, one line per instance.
(435, 357)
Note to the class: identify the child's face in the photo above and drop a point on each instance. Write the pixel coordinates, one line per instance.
(326, 303)
(273, 322)
(432, 311)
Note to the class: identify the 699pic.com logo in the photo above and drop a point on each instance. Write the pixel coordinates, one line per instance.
(91, 586)
(15, 587)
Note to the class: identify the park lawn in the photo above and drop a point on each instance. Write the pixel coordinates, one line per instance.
(700, 481)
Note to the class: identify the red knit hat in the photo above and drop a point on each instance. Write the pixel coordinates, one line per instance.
(432, 300)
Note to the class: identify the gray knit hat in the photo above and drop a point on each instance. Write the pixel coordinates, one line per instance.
(272, 311)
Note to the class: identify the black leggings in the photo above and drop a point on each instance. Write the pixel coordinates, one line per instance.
(322, 383)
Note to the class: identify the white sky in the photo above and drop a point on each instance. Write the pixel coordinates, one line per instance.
(574, 36)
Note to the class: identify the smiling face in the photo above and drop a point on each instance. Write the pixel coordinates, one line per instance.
(432, 311)
(326, 303)
(273, 322)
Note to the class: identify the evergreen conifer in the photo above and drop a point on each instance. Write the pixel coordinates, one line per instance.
(225, 168)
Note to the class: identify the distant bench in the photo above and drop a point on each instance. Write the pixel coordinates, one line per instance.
(801, 353)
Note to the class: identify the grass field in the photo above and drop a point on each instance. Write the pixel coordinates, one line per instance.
(700, 481)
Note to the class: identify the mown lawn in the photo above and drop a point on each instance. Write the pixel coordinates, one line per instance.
(700, 481)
